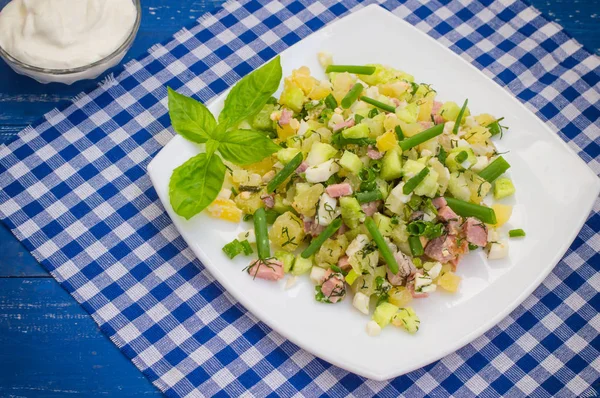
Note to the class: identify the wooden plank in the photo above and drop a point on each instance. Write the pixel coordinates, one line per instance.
(52, 348)
(15, 260)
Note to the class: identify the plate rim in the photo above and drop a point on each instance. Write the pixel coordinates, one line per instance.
(492, 321)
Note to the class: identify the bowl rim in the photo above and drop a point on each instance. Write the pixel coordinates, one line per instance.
(49, 71)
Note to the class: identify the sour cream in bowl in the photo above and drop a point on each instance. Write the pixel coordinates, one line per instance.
(67, 40)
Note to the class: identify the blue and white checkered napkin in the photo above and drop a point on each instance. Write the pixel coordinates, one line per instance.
(74, 190)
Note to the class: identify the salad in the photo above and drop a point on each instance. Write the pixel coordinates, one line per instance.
(364, 181)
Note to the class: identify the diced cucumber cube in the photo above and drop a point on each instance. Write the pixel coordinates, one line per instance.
(351, 162)
(391, 165)
(503, 187)
(358, 131)
(286, 258)
(320, 153)
(262, 120)
(302, 265)
(383, 313)
(384, 224)
(285, 155)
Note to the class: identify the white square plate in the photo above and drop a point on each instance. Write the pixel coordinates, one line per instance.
(555, 192)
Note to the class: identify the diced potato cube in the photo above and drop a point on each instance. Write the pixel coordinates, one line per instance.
(503, 213)
(449, 282)
(399, 296)
(387, 141)
(225, 209)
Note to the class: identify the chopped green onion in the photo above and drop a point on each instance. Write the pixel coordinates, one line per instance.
(473, 247)
(516, 233)
(284, 173)
(411, 184)
(376, 165)
(367, 186)
(233, 248)
(262, 235)
(495, 127)
(415, 202)
(384, 249)
(378, 104)
(368, 196)
(247, 248)
(359, 70)
(442, 155)
(317, 242)
(494, 169)
(373, 112)
(461, 157)
(467, 209)
(366, 174)
(358, 118)
(399, 133)
(422, 137)
(352, 95)
(330, 102)
(337, 269)
(459, 117)
(416, 248)
(340, 141)
(416, 228)
(425, 228)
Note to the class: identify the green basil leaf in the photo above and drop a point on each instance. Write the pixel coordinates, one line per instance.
(196, 184)
(244, 147)
(190, 118)
(250, 94)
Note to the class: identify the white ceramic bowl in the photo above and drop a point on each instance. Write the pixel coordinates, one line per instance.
(70, 76)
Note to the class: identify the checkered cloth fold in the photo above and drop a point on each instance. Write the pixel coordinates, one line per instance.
(74, 190)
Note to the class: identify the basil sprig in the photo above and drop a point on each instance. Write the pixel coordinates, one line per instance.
(196, 183)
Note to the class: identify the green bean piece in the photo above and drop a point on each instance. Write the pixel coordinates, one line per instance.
(459, 117)
(516, 233)
(399, 133)
(378, 104)
(262, 236)
(317, 242)
(368, 196)
(494, 169)
(330, 102)
(384, 249)
(284, 173)
(352, 95)
(467, 209)
(411, 184)
(422, 137)
(359, 70)
(416, 248)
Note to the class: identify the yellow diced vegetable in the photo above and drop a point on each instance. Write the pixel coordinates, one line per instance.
(425, 106)
(503, 213)
(399, 296)
(320, 90)
(286, 131)
(387, 141)
(449, 282)
(262, 167)
(225, 209)
(303, 79)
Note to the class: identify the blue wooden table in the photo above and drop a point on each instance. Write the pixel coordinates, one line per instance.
(49, 347)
